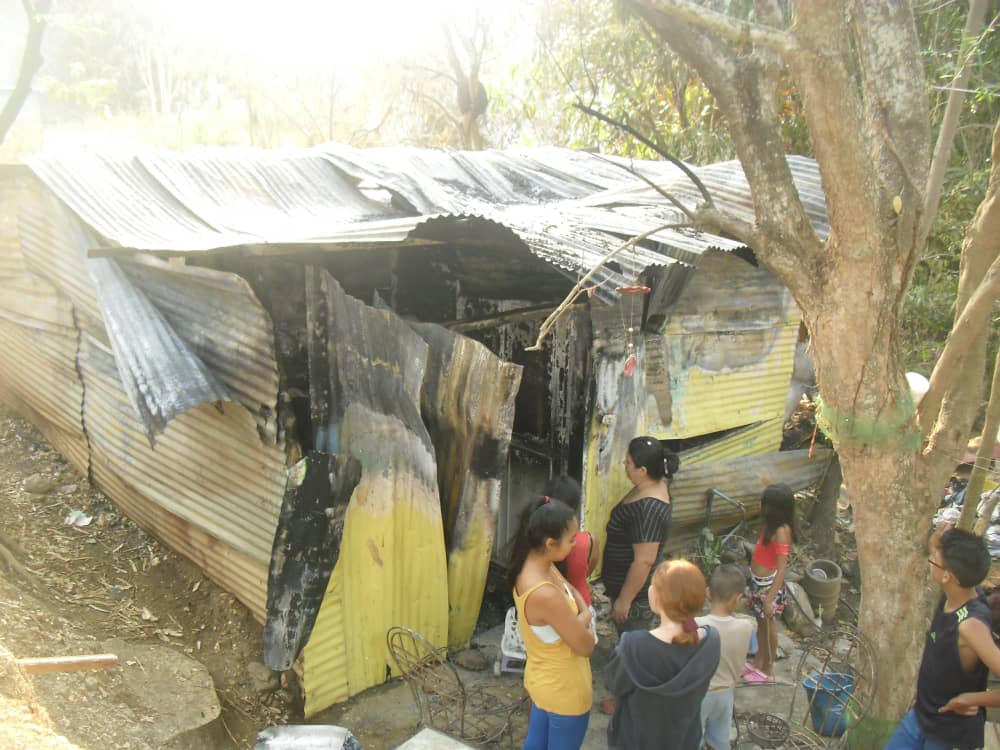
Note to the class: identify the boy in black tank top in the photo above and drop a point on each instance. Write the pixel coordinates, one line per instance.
(958, 651)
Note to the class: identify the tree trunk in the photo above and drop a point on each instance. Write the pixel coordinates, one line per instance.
(867, 410)
(984, 459)
(891, 513)
(31, 61)
(824, 515)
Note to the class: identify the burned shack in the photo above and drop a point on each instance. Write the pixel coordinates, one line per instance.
(313, 367)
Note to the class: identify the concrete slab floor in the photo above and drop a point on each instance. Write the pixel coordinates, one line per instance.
(385, 716)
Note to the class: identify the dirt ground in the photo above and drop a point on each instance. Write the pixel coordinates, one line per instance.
(82, 586)
(109, 586)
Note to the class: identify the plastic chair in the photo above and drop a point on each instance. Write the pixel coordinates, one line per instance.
(512, 656)
(837, 675)
(445, 703)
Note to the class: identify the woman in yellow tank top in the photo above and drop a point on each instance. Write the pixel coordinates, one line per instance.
(555, 626)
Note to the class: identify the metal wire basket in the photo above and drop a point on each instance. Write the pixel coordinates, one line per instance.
(767, 730)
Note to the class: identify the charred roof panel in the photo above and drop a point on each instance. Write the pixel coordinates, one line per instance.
(568, 207)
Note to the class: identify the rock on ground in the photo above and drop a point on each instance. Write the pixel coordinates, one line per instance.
(171, 691)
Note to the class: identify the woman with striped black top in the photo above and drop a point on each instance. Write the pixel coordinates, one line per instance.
(637, 531)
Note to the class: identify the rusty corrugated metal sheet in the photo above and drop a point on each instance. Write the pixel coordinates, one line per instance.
(754, 440)
(366, 367)
(38, 377)
(209, 467)
(38, 339)
(743, 478)
(237, 573)
(53, 243)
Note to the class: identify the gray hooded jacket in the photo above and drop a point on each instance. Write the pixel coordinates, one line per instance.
(659, 689)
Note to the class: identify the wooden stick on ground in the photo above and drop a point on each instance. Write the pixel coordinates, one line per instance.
(48, 664)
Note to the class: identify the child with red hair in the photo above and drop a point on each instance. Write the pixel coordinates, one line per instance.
(660, 676)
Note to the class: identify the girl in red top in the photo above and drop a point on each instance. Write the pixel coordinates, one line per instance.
(767, 580)
(581, 561)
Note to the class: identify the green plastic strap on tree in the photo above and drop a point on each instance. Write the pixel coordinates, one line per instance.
(896, 428)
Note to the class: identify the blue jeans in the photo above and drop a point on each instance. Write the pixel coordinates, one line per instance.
(717, 718)
(547, 731)
(909, 736)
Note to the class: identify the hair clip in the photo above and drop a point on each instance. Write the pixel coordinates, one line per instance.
(690, 625)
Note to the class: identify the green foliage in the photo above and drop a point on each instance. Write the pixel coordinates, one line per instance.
(708, 551)
(590, 51)
(930, 300)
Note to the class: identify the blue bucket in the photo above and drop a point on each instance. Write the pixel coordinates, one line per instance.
(828, 696)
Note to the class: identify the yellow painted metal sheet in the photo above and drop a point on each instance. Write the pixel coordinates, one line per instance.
(467, 402)
(722, 380)
(366, 369)
(725, 354)
(754, 440)
(325, 658)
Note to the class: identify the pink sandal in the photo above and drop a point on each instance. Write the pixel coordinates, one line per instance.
(754, 676)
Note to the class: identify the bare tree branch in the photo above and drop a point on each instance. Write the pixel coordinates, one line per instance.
(984, 456)
(31, 61)
(949, 123)
(720, 222)
(444, 110)
(658, 149)
(737, 32)
(967, 328)
(550, 321)
(672, 199)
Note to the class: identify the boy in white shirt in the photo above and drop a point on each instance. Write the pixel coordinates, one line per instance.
(726, 589)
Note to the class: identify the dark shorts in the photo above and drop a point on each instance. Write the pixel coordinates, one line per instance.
(755, 599)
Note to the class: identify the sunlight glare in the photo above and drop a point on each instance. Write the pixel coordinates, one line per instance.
(327, 35)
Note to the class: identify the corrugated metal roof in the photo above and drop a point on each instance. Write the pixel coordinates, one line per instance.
(729, 188)
(568, 207)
